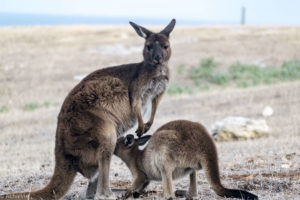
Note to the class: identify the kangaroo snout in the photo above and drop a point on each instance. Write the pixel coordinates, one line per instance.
(157, 54)
(157, 59)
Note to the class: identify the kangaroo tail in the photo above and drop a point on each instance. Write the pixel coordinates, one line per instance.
(209, 163)
(64, 174)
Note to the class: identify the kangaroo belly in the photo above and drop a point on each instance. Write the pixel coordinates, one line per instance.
(176, 174)
(181, 172)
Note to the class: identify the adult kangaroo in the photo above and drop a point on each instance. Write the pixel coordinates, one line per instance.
(101, 108)
(176, 149)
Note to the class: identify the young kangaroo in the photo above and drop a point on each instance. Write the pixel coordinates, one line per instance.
(176, 149)
(101, 108)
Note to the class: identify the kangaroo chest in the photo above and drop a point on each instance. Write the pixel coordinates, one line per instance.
(152, 89)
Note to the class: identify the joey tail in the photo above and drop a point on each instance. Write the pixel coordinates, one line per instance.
(210, 165)
(241, 194)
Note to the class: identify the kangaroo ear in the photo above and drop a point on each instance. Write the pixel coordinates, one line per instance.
(141, 31)
(129, 140)
(169, 28)
(143, 140)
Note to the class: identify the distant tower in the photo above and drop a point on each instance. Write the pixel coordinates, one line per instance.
(243, 15)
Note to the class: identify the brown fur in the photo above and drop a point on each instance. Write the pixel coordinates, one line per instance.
(176, 149)
(98, 110)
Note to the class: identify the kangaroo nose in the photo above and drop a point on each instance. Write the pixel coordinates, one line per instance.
(157, 58)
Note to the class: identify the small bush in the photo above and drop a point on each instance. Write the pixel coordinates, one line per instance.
(178, 89)
(204, 70)
(3, 109)
(220, 78)
(180, 69)
(31, 106)
(34, 105)
(205, 76)
(246, 75)
(290, 70)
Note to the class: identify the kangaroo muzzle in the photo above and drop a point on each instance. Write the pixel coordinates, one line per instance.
(157, 57)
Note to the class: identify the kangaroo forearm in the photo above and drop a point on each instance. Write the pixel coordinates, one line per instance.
(138, 112)
(155, 104)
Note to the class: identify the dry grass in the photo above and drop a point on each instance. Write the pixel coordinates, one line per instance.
(37, 69)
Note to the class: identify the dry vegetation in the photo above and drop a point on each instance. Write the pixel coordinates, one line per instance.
(37, 70)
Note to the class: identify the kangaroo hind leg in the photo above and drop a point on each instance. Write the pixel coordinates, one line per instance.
(107, 141)
(166, 173)
(193, 184)
(92, 185)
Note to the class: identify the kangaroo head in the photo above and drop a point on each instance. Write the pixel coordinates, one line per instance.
(157, 49)
(127, 146)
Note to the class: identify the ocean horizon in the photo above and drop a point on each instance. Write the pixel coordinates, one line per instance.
(25, 19)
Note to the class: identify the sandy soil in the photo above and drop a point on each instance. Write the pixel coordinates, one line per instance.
(41, 65)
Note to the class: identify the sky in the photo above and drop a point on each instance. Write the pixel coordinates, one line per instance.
(258, 12)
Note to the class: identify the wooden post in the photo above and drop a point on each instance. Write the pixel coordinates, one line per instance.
(243, 16)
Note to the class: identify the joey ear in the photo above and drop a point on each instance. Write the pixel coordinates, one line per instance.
(141, 31)
(143, 140)
(129, 140)
(169, 28)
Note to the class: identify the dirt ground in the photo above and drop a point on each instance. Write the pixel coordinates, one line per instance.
(40, 65)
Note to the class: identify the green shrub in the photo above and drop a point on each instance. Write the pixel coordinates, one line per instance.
(180, 69)
(174, 89)
(246, 75)
(34, 105)
(31, 106)
(206, 75)
(220, 78)
(290, 70)
(3, 109)
(204, 70)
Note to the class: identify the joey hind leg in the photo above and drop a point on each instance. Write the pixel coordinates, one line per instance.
(166, 174)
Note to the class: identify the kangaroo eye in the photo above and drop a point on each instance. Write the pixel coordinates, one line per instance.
(166, 46)
(148, 47)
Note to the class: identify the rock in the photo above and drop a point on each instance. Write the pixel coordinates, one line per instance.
(286, 166)
(239, 128)
(267, 111)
